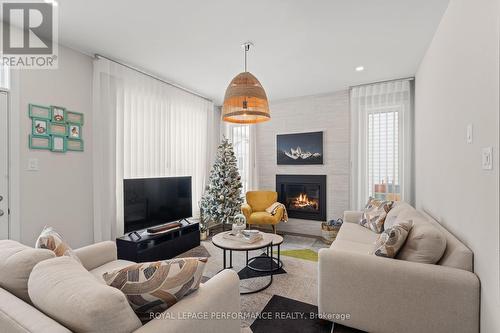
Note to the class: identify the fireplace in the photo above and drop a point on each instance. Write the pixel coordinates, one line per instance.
(304, 196)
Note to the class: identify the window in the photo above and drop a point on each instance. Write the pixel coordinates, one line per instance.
(383, 156)
(241, 142)
(382, 142)
(243, 139)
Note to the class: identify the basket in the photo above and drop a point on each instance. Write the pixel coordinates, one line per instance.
(329, 232)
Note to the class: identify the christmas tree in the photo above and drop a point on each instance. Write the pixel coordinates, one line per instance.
(222, 198)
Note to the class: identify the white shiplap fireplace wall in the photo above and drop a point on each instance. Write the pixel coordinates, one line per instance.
(328, 113)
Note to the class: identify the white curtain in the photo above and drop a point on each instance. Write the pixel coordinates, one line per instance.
(382, 141)
(144, 128)
(243, 138)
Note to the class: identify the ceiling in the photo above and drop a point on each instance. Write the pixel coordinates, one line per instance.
(302, 47)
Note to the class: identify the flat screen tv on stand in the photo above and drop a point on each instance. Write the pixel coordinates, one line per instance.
(150, 202)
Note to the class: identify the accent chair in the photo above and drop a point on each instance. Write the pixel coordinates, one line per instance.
(255, 208)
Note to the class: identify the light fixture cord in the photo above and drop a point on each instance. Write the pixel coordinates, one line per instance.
(247, 47)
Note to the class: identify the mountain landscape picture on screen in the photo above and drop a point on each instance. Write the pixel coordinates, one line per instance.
(300, 148)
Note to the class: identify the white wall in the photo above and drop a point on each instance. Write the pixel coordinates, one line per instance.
(60, 193)
(457, 84)
(328, 113)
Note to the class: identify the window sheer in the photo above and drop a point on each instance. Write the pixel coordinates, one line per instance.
(144, 128)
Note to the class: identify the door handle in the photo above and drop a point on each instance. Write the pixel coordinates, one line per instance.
(1, 212)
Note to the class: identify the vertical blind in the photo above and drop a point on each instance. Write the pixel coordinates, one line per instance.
(381, 127)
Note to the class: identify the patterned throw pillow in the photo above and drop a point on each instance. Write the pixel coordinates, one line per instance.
(391, 240)
(154, 287)
(51, 240)
(374, 214)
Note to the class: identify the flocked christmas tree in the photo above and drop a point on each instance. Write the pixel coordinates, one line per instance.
(222, 198)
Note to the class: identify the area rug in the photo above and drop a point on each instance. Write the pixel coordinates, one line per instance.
(199, 251)
(305, 254)
(285, 315)
(247, 273)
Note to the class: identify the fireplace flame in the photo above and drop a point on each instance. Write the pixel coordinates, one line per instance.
(302, 201)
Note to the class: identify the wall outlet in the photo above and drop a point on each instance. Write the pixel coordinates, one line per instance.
(487, 158)
(33, 164)
(469, 134)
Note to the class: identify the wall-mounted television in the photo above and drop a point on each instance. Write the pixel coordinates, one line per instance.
(153, 201)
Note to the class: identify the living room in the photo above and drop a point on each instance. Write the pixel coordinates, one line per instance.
(264, 166)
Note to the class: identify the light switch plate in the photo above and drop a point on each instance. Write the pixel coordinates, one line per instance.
(469, 134)
(33, 164)
(487, 158)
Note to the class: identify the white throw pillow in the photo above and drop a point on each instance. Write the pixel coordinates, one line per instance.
(16, 262)
(425, 244)
(64, 290)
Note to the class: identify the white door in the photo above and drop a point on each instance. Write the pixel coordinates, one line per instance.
(4, 165)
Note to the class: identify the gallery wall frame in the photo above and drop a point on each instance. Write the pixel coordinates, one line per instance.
(40, 142)
(74, 145)
(74, 117)
(59, 129)
(62, 129)
(58, 114)
(74, 131)
(40, 126)
(58, 143)
(40, 111)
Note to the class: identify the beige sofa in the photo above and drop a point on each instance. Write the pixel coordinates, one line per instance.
(393, 296)
(17, 291)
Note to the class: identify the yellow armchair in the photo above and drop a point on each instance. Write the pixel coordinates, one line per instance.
(255, 208)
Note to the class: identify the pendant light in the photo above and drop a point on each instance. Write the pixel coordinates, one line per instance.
(245, 101)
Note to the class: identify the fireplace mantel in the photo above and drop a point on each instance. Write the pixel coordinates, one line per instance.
(304, 196)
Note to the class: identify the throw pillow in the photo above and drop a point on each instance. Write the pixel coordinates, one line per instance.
(51, 240)
(65, 291)
(425, 244)
(391, 240)
(374, 214)
(154, 287)
(16, 262)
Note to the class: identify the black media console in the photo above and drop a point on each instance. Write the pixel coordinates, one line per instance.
(143, 247)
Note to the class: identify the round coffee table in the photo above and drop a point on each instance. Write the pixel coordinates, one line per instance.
(276, 263)
(267, 242)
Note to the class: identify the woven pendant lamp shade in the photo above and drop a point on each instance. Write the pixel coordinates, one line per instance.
(245, 101)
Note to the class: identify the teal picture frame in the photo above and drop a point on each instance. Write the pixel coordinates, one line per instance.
(40, 142)
(40, 123)
(58, 129)
(74, 145)
(58, 114)
(74, 117)
(40, 111)
(58, 144)
(71, 131)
